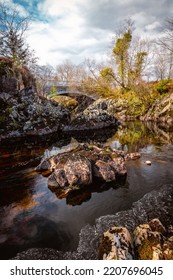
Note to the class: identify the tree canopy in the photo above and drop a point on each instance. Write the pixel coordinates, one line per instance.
(12, 30)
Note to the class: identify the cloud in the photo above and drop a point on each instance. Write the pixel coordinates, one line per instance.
(76, 29)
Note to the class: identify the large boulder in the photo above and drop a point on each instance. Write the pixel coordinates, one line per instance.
(149, 241)
(161, 111)
(28, 114)
(78, 170)
(75, 172)
(82, 166)
(14, 77)
(116, 244)
(22, 111)
(100, 114)
(158, 203)
(152, 241)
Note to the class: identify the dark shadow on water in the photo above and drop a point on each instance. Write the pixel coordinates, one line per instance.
(35, 232)
(77, 197)
(93, 136)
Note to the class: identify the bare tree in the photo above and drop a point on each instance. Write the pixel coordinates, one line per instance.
(70, 74)
(163, 63)
(166, 41)
(43, 75)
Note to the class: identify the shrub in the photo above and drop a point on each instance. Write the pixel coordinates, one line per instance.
(163, 86)
(53, 91)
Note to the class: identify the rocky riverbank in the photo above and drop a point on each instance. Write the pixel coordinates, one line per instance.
(149, 241)
(161, 111)
(154, 205)
(23, 112)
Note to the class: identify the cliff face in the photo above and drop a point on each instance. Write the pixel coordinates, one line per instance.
(161, 111)
(22, 111)
(14, 77)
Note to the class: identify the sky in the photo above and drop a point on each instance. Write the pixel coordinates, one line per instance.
(78, 29)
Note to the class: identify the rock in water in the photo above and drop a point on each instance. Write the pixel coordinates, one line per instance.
(104, 171)
(78, 170)
(81, 166)
(148, 162)
(156, 202)
(116, 244)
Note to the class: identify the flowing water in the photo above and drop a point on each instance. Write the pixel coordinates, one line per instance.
(32, 216)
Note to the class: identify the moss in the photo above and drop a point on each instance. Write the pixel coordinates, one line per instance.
(9, 110)
(163, 86)
(71, 104)
(65, 102)
(2, 119)
(90, 147)
(145, 250)
(74, 188)
(107, 149)
(15, 125)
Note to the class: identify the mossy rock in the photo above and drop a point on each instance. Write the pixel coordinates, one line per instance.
(65, 102)
(150, 249)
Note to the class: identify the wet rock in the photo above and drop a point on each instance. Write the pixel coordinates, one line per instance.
(58, 179)
(148, 162)
(61, 177)
(116, 244)
(44, 165)
(158, 202)
(78, 170)
(74, 170)
(82, 166)
(132, 156)
(104, 171)
(118, 164)
(40, 254)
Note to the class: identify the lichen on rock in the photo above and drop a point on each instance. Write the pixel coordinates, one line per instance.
(116, 244)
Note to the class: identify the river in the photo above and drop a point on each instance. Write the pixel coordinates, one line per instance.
(32, 216)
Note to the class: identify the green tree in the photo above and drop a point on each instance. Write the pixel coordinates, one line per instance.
(135, 70)
(108, 73)
(12, 30)
(130, 58)
(120, 51)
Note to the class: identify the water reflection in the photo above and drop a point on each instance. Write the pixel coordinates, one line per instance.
(77, 197)
(31, 215)
(133, 136)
